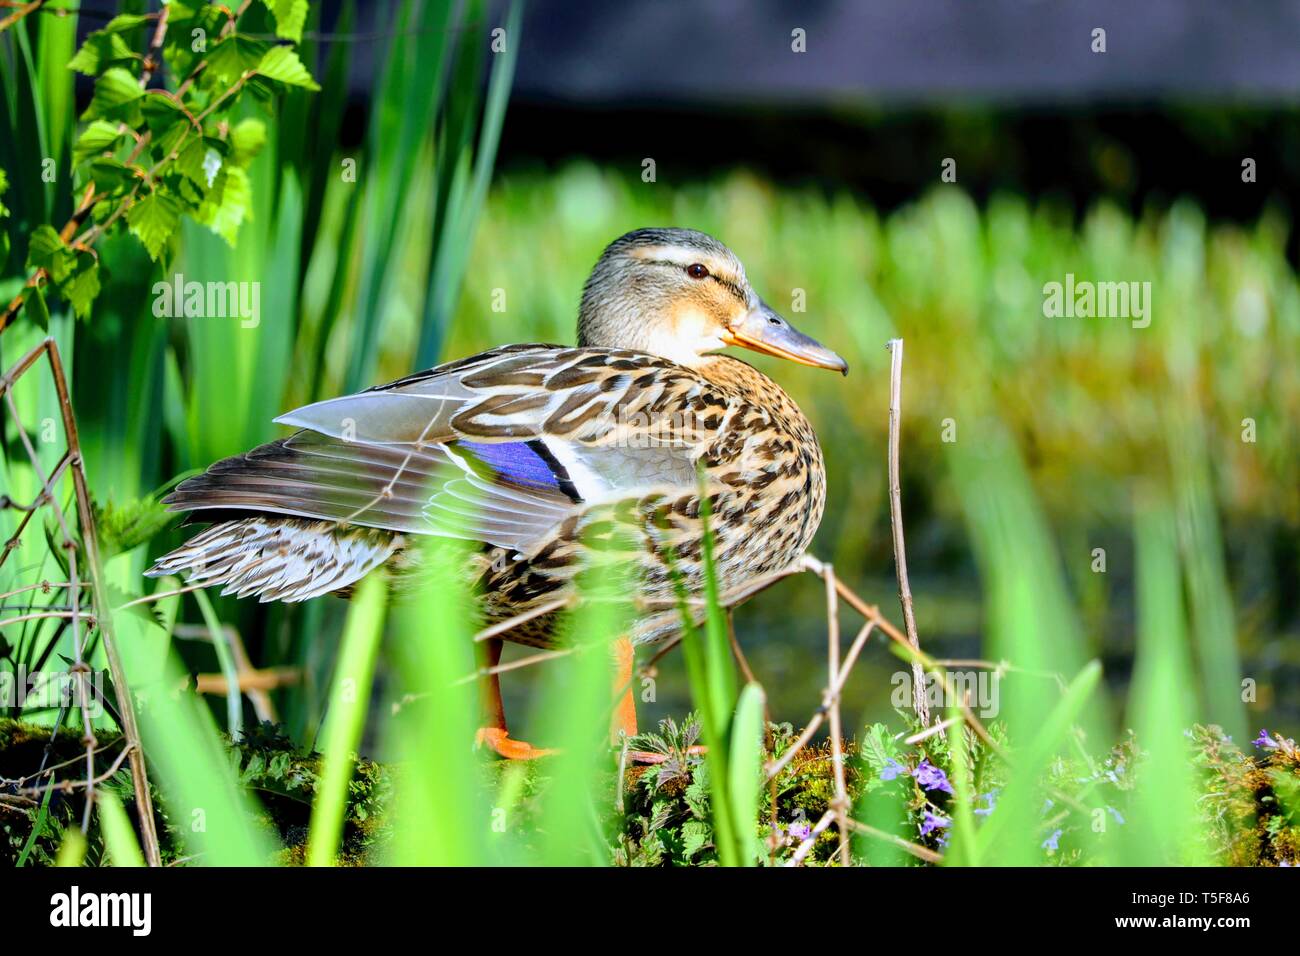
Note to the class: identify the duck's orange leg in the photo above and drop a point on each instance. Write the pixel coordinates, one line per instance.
(493, 733)
(623, 721)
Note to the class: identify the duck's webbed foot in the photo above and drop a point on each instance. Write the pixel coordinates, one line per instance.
(499, 741)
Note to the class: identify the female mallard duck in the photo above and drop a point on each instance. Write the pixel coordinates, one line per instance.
(545, 455)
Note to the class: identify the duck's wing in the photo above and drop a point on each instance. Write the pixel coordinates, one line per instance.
(500, 448)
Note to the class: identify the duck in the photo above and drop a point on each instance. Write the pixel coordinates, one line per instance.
(546, 459)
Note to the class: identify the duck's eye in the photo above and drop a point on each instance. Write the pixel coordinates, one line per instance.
(697, 270)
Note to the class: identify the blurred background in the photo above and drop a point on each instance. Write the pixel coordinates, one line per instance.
(813, 139)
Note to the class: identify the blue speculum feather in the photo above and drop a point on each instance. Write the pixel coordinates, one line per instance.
(516, 461)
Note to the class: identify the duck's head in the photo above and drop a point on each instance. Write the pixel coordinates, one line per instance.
(684, 295)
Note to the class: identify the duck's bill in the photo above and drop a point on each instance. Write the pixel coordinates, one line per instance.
(762, 330)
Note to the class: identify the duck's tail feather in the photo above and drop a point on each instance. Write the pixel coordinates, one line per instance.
(279, 559)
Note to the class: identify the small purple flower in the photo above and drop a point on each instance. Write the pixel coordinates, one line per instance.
(1116, 814)
(1265, 741)
(992, 799)
(800, 831)
(1286, 863)
(892, 769)
(1051, 843)
(932, 823)
(1047, 805)
(931, 777)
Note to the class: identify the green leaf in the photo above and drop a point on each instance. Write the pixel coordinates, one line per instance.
(230, 203)
(695, 834)
(878, 748)
(100, 50)
(37, 310)
(230, 59)
(153, 219)
(161, 112)
(246, 140)
(282, 64)
(111, 174)
(100, 136)
(166, 143)
(47, 250)
(117, 95)
(82, 285)
(125, 21)
(290, 15)
(191, 163)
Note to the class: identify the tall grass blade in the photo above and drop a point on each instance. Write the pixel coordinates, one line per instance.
(444, 816)
(119, 839)
(1008, 837)
(402, 115)
(1161, 704)
(575, 717)
(215, 819)
(713, 689)
(746, 768)
(459, 209)
(346, 717)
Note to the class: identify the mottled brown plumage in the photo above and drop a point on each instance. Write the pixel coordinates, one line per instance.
(545, 456)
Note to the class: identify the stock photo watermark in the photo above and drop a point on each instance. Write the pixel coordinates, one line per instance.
(1085, 299)
(52, 690)
(179, 299)
(75, 908)
(977, 689)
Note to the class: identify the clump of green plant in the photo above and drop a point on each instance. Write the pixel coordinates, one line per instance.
(1252, 801)
(265, 762)
(32, 824)
(286, 779)
(906, 795)
(667, 814)
(1080, 799)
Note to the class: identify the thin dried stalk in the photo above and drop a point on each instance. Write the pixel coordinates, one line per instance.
(516, 665)
(896, 523)
(918, 851)
(534, 612)
(841, 802)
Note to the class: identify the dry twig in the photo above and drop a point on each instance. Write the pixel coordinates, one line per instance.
(896, 524)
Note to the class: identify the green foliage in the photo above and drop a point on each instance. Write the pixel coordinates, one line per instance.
(288, 780)
(1251, 802)
(129, 524)
(668, 818)
(1083, 811)
(155, 156)
(75, 273)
